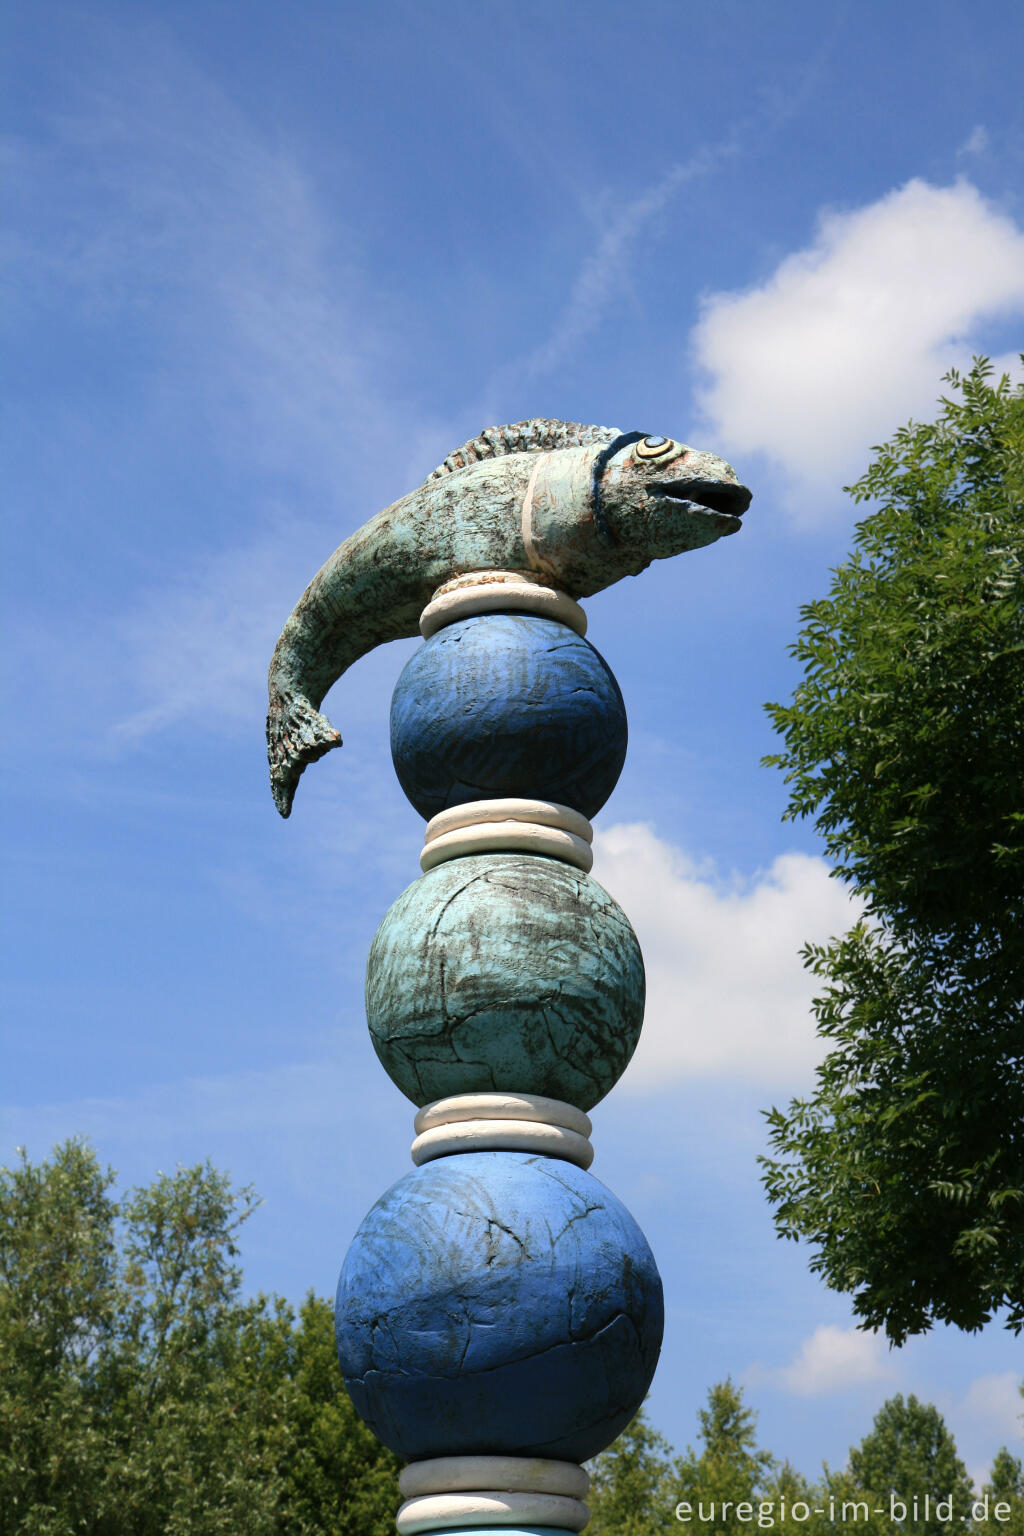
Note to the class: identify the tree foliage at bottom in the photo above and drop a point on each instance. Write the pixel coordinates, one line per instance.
(904, 1476)
(140, 1395)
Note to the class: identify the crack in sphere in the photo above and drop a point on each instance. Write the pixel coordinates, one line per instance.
(498, 1303)
(507, 704)
(505, 972)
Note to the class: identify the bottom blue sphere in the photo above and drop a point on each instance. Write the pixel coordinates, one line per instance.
(498, 1302)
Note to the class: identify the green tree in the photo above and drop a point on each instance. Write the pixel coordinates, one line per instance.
(786, 1490)
(57, 1309)
(339, 1480)
(631, 1484)
(905, 741)
(847, 1507)
(141, 1395)
(729, 1471)
(1003, 1494)
(910, 1456)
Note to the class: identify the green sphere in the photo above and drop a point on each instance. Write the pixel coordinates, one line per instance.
(505, 972)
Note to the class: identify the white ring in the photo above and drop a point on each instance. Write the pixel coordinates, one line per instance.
(531, 1107)
(544, 813)
(501, 596)
(513, 1474)
(502, 1136)
(490, 1508)
(508, 837)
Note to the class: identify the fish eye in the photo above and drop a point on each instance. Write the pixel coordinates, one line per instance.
(654, 447)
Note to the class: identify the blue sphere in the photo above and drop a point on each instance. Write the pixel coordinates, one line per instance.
(507, 704)
(498, 1302)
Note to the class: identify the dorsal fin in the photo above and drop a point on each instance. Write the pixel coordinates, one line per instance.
(538, 435)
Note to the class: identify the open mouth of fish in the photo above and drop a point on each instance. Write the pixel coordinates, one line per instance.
(713, 494)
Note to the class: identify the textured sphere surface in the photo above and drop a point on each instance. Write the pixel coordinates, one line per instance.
(505, 972)
(502, 1303)
(507, 704)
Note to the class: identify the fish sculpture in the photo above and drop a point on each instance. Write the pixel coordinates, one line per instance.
(575, 506)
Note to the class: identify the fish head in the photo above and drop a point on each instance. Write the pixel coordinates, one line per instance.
(657, 497)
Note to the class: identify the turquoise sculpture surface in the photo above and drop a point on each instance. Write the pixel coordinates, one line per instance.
(505, 971)
(499, 1314)
(507, 704)
(581, 506)
(543, 1338)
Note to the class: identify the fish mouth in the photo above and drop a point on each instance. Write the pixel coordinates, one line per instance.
(716, 495)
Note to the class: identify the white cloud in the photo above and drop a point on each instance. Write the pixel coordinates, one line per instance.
(727, 994)
(831, 1360)
(849, 337)
(990, 1413)
(994, 1403)
(984, 1414)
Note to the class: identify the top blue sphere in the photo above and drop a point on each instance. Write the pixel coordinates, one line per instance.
(507, 704)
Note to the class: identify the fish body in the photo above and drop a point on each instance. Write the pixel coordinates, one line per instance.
(580, 507)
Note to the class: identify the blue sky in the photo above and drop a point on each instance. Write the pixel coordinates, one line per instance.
(265, 267)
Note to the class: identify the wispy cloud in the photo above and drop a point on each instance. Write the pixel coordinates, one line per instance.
(317, 1166)
(994, 1403)
(620, 223)
(976, 142)
(157, 206)
(605, 270)
(194, 245)
(199, 646)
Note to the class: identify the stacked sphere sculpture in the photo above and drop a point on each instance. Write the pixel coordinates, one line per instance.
(499, 1314)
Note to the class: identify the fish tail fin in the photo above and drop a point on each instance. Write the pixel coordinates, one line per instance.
(297, 734)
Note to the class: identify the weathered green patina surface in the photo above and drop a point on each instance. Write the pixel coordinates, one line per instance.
(505, 972)
(597, 506)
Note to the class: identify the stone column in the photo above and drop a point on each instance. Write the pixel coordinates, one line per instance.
(499, 1313)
